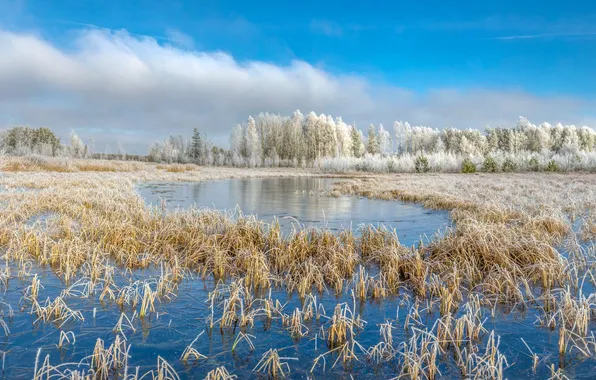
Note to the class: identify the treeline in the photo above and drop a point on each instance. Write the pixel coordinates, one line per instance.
(267, 140)
(331, 144)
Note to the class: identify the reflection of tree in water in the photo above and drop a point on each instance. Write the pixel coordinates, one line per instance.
(197, 192)
(296, 197)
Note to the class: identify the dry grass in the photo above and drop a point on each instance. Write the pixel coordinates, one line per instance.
(68, 165)
(178, 168)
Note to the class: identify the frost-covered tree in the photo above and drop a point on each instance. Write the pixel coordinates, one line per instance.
(253, 143)
(402, 132)
(571, 143)
(293, 147)
(384, 140)
(155, 152)
(179, 148)
(311, 136)
(77, 147)
(537, 137)
(238, 145)
(328, 136)
(587, 139)
(344, 140)
(120, 151)
(372, 141)
(557, 137)
(492, 139)
(269, 128)
(357, 142)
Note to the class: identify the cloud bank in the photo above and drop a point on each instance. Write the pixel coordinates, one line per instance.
(121, 87)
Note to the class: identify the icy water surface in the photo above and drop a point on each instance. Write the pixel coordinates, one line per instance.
(300, 202)
(176, 323)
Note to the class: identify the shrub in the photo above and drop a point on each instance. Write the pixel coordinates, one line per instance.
(509, 166)
(552, 166)
(467, 166)
(533, 164)
(490, 165)
(421, 164)
(391, 166)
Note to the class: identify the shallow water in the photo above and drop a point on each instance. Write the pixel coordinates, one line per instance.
(300, 202)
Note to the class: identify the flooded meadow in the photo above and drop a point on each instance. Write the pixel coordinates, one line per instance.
(162, 276)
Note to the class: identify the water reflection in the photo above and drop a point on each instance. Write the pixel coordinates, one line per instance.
(302, 199)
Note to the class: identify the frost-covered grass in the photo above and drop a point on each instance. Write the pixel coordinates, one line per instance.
(65, 165)
(452, 163)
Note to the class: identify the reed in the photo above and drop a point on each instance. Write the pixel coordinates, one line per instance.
(55, 311)
(342, 326)
(273, 365)
(66, 338)
(124, 322)
(32, 291)
(4, 327)
(533, 355)
(220, 373)
(246, 338)
(105, 360)
(192, 353)
(165, 371)
(295, 324)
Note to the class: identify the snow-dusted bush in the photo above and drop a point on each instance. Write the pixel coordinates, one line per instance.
(490, 165)
(421, 164)
(452, 163)
(467, 166)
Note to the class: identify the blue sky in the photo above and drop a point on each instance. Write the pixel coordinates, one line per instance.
(542, 46)
(535, 49)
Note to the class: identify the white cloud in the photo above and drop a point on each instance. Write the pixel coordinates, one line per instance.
(118, 86)
(180, 38)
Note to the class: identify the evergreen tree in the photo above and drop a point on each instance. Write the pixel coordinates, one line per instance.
(196, 152)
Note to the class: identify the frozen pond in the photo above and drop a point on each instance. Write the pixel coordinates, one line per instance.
(299, 202)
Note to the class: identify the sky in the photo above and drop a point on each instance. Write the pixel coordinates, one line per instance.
(135, 71)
